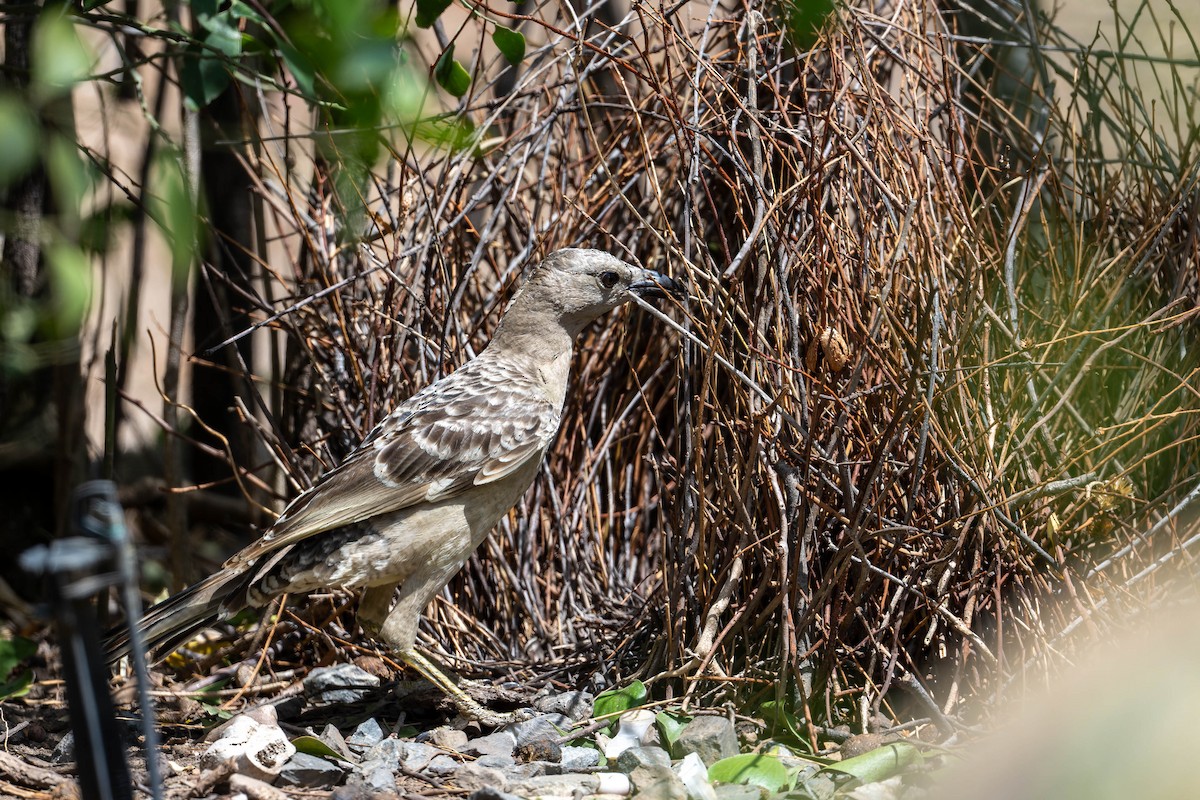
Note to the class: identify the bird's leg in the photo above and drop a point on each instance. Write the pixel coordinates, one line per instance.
(399, 632)
(467, 706)
(373, 608)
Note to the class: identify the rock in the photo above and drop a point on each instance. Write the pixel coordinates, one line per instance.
(631, 727)
(360, 791)
(475, 776)
(499, 743)
(712, 738)
(889, 789)
(64, 751)
(636, 757)
(256, 750)
(575, 759)
(864, 743)
(417, 755)
(340, 683)
(694, 774)
(819, 786)
(738, 791)
(442, 765)
(491, 793)
(389, 753)
(556, 785)
(574, 705)
(546, 726)
(519, 772)
(246, 786)
(368, 734)
(540, 750)
(309, 772)
(333, 737)
(496, 761)
(263, 715)
(613, 783)
(380, 779)
(446, 738)
(395, 753)
(656, 782)
(290, 707)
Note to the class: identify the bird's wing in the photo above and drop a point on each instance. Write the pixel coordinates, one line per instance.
(474, 427)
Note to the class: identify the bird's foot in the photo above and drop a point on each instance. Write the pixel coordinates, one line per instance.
(472, 709)
(466, 705)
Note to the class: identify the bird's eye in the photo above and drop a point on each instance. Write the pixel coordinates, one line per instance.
(608, 279)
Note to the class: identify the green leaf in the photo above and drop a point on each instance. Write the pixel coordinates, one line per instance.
(60, 59)
(71, 286)
(13, 651)
(670, 725)
(17, 686)
(429, 10)
(615, 701)
(879, 764)
(20, 137)
(451, 75)
(172, 209)
(205, 72)
(241, 10)
(510, 43)
(313, 746)
(753, 769)
(301, 68)
(781, 721)
(68, 174)
(805, 19)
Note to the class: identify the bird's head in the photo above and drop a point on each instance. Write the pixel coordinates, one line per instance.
(575, 286)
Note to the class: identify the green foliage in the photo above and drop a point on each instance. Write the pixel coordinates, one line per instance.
(510, 43)
(18, 131)
(451, 75)
(311, 745)
(754, 769)
(879, 764)
(60, 59)
(12, 652)
(614, 702)
(207, 63)
(171, 207)
(429, 10)
(804, 20)
(784, 725)
(71, 283)
(670, 726)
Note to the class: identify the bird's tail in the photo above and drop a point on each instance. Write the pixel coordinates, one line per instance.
(167, 625)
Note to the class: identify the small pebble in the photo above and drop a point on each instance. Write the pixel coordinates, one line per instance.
(442, 765)
(636, 757)
(309, 772)
(577, 759)
(499, 743)
(446, 738)
(340, 683)
(474, 776)
(575, 705)
(368, 734)
(540, 750)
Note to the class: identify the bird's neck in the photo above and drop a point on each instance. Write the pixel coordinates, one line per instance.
(536, 327)
(541, 343)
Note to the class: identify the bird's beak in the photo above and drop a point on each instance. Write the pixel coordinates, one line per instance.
(657, 286)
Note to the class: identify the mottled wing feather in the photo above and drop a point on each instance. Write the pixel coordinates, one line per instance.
(476, 426)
